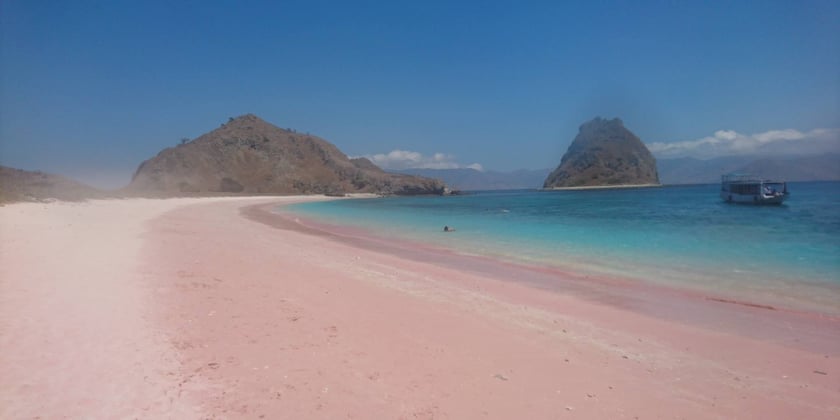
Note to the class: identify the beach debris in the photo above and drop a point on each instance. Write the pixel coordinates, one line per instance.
(819, 372)
(590, 395)
(569, 408)
(500, 377)
(742, 303)
(213, 365)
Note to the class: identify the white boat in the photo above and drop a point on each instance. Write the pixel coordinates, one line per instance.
(746, 189)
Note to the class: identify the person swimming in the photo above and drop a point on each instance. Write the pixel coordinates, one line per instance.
(448, 229)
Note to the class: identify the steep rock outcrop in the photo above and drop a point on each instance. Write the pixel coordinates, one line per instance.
(249, 155)
(604, 153)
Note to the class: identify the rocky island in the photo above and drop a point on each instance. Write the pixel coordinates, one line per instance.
(247, 155)
(604, 154)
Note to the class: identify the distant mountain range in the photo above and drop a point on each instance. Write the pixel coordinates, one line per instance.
(465, 179)
(800, 168)
(671, 172)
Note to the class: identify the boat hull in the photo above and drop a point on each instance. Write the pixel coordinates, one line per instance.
(755, 199)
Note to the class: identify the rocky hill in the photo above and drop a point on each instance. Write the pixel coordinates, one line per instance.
(21, 185)
(604, 153)
(250, 156)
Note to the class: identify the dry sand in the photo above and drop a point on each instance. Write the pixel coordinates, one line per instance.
(213, 308)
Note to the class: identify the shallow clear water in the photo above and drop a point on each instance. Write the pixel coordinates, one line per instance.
(681, 235)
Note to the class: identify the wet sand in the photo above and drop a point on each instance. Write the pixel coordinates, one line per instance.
(216, 308)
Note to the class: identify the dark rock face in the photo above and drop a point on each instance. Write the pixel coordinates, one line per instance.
(249, 155)
(604, 153)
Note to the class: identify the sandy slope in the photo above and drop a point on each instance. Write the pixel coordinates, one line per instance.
(187, 309)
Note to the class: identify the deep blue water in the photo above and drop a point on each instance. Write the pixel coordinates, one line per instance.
(680, 234)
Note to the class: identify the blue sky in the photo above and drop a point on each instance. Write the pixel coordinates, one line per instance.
(91, 88)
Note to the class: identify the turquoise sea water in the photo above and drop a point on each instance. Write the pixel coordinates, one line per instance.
(683, 236)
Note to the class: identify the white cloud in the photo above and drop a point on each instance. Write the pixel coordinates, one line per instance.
(768, 143)
(726, 135)
(405, 159)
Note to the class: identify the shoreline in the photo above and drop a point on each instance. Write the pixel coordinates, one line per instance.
(579, 272)
(603, 187)
(224, 316)
(696, 307)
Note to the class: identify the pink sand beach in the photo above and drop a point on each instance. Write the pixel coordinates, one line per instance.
(218, 308)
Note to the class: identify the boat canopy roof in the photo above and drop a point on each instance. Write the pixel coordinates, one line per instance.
(746, 178)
